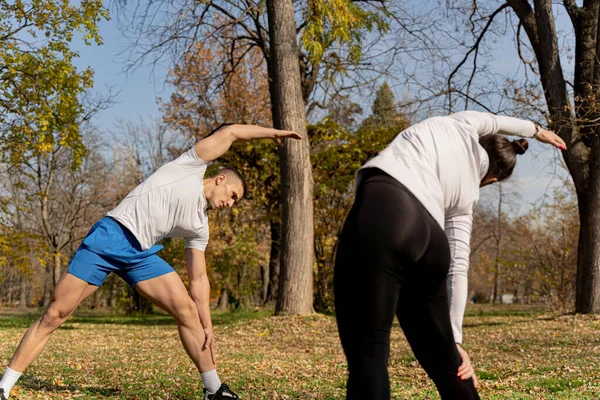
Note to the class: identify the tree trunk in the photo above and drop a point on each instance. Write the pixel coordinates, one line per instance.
(56, 267)
(587, 181)
(274, 261)
(30, 294)
(574, 124)
(587, 298)
(9, 296)
(47, 285)
(223, 300)
(495, 294)
(264, 271)
(22, 292)
(139, 304)
(110, 294)
(295, 288)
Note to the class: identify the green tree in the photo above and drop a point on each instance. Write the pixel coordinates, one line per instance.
(336, 154)
(384, 112)
(40, 88)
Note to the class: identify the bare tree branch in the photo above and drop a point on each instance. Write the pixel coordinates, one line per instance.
(474, 48)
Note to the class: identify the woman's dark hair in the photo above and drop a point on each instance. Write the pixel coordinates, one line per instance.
(502, 154)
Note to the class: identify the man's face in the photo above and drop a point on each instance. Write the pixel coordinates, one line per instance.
(225, 194)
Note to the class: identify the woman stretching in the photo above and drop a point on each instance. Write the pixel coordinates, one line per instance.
(404, 249)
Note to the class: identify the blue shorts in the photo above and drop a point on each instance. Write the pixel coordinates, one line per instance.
(110, 247)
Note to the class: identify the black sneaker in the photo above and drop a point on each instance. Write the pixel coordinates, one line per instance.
(2, 396)
(224, 393)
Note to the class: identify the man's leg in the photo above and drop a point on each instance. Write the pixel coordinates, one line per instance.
(169, 293)
(68, 294)
(157, 281)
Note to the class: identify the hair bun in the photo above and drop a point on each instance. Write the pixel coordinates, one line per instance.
(520, 145)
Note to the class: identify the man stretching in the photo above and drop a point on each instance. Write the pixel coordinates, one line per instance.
(170, 203)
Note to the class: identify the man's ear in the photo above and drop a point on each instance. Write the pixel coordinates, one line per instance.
(221, 178)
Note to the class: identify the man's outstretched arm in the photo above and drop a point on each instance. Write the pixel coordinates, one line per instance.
(218, 143)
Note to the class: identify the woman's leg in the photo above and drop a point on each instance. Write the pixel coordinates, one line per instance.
(368, 279)
(424, 315)
(365, 301)
(392, 253)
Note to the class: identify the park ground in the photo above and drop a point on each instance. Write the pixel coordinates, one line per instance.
(519, 353)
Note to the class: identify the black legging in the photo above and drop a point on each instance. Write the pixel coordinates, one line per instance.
(393, 258)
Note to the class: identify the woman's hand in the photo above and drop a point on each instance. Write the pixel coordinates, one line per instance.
(546, 136)
(466, 371)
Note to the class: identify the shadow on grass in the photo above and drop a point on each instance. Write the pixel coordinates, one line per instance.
(505, 310)
(15, 319)
(511, 322)
(24, 319)
(37, 385)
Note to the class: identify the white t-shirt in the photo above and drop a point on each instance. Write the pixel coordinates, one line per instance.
(170, 203)
(442, 163)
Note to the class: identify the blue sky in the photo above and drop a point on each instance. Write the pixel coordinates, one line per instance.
(138, 90)
(536, 174)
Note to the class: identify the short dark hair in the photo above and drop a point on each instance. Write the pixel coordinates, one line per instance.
(231, 173)
(502, 154)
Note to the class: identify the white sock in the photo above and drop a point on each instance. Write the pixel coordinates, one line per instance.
(9, 379)
(211, 381)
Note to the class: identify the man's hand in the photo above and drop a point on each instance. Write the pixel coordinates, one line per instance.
(245, 133)
(466, 371)
(285, 134)
(209, 343)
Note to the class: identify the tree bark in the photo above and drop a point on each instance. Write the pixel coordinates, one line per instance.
(139, 304)
(56, 269)
(48, 285)
(274, 261)
(264, 292)
(295, 288)
(587, 297)
(495, 294)
(9, 296)
(223, 300)
(22, 292)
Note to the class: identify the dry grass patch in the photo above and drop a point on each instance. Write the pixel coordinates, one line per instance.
(520, 353)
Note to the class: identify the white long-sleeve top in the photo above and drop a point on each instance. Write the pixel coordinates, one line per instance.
(442, 163)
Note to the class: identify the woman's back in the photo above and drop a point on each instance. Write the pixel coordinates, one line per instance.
(440, 161)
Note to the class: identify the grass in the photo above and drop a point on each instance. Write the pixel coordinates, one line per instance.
(519, 353)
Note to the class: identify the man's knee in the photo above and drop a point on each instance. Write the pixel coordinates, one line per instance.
(185, 312)
(54, 316)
